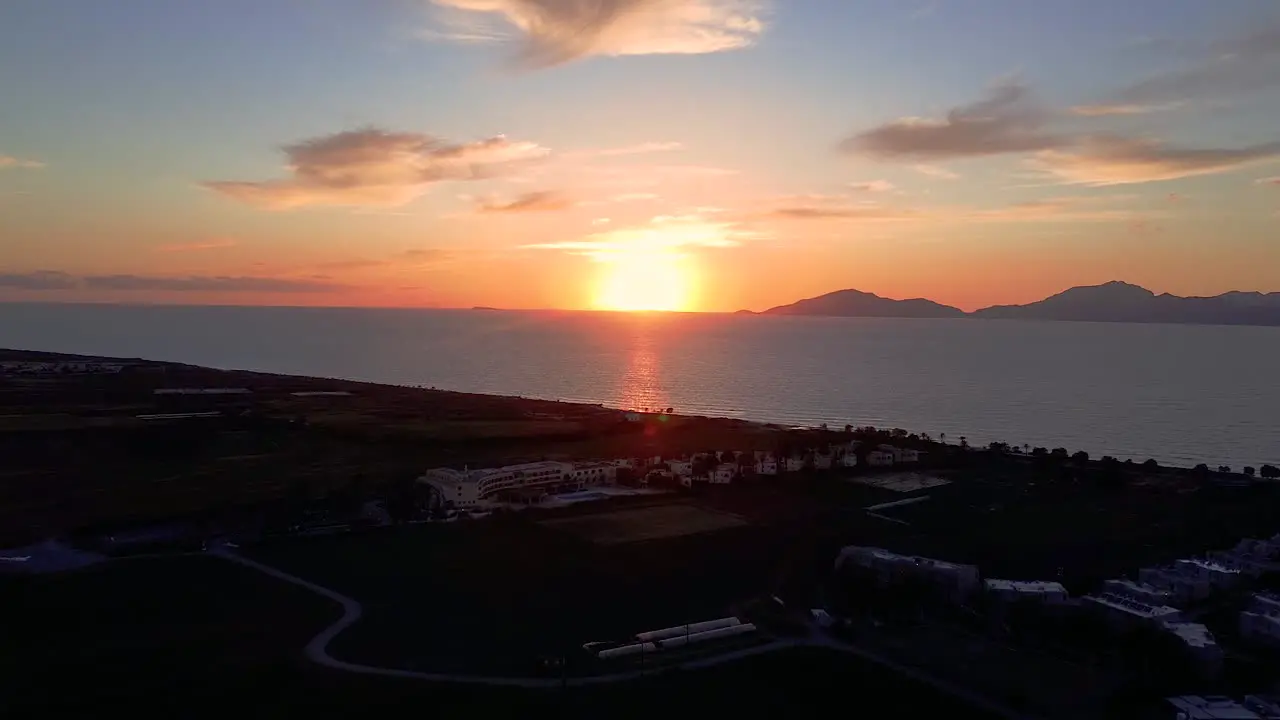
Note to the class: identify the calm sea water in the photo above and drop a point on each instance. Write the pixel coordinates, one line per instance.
(1181, 394)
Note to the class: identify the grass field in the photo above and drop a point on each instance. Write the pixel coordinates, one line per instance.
(651, 523)
(494, 596)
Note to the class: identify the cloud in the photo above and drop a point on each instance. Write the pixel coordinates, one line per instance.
(641, 149)
(934, 171)
(426, 256)
(833, 207)
(373, 167)
(1246, 64)
(1115, 160)
(39, 280)
(197, 283)
(8, 161)
(57, 280)
(1120, 109)
(554, 32)
(197, 246)
(1006, 121)
(665, 233)
(875, 186)
(527, 203)
(1268, 180)
(1059, 209)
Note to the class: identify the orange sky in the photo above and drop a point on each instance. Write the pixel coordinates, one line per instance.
(709, 155)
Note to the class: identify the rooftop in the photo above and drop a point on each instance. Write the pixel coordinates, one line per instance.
(1133, 607)
(1212, 707)
(1193, 634)
(1026, 586)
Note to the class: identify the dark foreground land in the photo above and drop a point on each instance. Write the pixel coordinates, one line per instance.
(502, 594)
(200, 637)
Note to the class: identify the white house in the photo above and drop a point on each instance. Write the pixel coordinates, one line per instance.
(1218, 575)
(1199, 644)
(849, 460)
(681, 468)
(1261, 622)
(880, 458)
(1183, 588)
(822, 461)
(1259, 628)
(901, 455)
(724, 474)
(1048, 593)
(794, 464)
(767, 467)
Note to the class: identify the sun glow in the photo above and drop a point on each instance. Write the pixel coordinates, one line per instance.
(639, 280)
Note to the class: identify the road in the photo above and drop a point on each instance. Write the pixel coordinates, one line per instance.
(317, 650)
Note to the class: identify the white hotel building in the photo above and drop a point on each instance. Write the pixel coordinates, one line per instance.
(957, 581)
(1047, 593)
(473, 488)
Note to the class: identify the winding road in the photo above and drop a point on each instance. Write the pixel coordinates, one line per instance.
(317, 650)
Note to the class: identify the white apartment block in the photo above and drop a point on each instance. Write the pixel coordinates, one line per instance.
(957, 581)
(794, 464)
(1218, 575)
(767, 467)
(849, 460)
(724, 474)
(901, 455)
(470, 488)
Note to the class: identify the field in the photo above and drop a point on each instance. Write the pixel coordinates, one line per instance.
(902, 482)
(130, 630)
(495, 596)
(651, 523)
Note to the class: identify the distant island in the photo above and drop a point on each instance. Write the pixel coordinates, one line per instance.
(1109, 302)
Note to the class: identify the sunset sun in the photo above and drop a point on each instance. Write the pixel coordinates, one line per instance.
(639, 280)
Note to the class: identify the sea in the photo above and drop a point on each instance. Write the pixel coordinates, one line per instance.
(1182, 394)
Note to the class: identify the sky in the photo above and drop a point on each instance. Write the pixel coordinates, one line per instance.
(706, 155)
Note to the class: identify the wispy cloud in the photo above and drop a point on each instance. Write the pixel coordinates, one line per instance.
(873, 186)
(57, 280)
(1268, 180)
(1114, 160)
(39, 280)
(375, 168)
(554, 32)
(934, 171)
(213, 244)
(8, 161)
(533, 202)
(1059, 209)
(1007, 121)
(1120, 109)
(1246, 64)
(640, 149)
(667, 233)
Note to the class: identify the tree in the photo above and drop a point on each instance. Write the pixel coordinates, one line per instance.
(943, 438)
(1224, 468)
(1150, 464)
(1248, 470)
(1081, 457)
(848, 429)
(1201, 469)
(1059, 453)
(964, 443)
(1269, 471)
(1039, 452)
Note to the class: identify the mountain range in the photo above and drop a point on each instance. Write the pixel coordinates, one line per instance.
(1109, 302)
